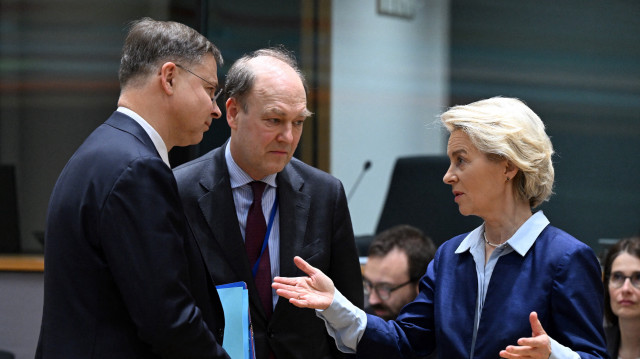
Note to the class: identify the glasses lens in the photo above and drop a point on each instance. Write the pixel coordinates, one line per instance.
(367, 287)
(617, 279)
(384, 291)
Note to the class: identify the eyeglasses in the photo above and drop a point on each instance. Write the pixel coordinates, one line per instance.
(383, 290)
(617, 279)
(216, 95)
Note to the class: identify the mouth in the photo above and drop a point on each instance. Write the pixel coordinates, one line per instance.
(457, 194)
(626, 303)
(280, 152)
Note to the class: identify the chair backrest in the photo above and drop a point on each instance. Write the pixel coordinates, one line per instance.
(9, 230)
(418, 197)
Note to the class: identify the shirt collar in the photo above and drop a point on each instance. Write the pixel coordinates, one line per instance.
(521, 241)
(238, 176)
(158, 143)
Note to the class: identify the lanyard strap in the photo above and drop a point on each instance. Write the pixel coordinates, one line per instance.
(265, 241)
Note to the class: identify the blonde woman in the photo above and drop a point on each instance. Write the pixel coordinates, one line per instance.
(515, 287)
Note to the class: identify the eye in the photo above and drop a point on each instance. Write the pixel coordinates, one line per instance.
(298, 123)
(617, 277)
(211, 91)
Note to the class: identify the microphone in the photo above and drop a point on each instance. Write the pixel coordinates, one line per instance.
(366, 167)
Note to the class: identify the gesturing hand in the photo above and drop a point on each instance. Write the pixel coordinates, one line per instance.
(538, 346)
(315, 291)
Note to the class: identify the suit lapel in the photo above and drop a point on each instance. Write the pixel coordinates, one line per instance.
(294, 214)
(219, 211)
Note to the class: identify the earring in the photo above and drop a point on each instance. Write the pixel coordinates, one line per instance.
(508, 179)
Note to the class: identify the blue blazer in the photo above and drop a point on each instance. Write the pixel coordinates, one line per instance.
(123, 277)
(314, 224)
(559, 278)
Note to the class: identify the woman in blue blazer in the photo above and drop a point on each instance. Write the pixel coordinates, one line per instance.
(515, 287)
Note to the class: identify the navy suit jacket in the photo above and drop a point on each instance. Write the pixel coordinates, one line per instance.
(123, 276)
(559, 278)
(314, 224)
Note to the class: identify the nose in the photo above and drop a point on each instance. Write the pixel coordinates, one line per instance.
(449, 177)
(373, 298)
(216, 111)
(286, 135)
(627, 285)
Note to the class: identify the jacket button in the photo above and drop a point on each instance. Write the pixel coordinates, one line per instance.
(270, 333)
(220, 333)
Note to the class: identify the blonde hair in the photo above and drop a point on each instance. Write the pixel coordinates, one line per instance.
(506, 128)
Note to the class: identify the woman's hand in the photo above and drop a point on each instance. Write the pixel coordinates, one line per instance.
(538, 346)
(315, 291)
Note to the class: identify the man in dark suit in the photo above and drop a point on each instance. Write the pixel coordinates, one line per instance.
(303, 209)
(124, 277)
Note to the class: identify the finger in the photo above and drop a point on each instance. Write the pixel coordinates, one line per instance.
(536, 326)
(304, 266)
(535, 342)
(511, 352)
(288, 294)
(276, 286)
(286, 280)
(518, 350)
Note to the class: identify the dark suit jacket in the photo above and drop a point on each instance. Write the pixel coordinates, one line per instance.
(117, 280)
(612, 334)
(314, 224)
(559, 278)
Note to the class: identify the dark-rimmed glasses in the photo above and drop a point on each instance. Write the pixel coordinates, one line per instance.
(617, 279)
(215, 95)
(383, 290)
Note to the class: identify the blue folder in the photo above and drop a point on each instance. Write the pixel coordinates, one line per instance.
(238, 334)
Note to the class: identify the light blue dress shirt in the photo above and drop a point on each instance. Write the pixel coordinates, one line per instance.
(243, 197)
(346, 323)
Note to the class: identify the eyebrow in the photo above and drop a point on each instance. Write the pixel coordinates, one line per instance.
(457, 152)
(278, 112)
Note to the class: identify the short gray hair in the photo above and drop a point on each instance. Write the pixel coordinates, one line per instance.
(150, 43)
(505, 128)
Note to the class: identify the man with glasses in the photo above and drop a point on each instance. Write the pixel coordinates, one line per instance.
(123, 276)
(397, 259)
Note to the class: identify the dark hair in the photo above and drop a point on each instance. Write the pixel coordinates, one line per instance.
(241, 77)
(150, 43)
(419, 248)
(627, 245)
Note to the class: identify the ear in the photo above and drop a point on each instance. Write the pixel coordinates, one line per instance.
(233, 107)
(167, 77)
(510, 170)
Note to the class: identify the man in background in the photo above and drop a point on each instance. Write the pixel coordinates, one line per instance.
(397, 259)
(253, 207)
(123, 276)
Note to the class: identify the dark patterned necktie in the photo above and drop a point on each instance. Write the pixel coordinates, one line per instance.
(254, 236)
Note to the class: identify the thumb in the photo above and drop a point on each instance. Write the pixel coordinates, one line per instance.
(536, 326)
(304, 266)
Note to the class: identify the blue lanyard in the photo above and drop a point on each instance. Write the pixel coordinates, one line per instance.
(274, 208)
